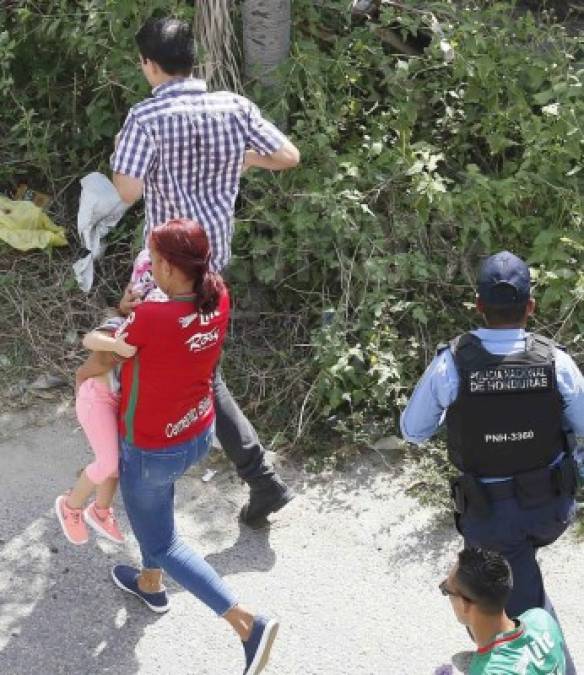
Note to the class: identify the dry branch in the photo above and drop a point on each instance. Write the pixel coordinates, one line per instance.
(215, 36)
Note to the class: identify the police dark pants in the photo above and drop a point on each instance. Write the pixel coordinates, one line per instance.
(238, 437)
(517, 532)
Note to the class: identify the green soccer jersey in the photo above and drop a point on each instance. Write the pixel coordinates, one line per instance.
(534, 647)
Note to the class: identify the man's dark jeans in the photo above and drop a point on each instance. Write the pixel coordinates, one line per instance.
(238, 438)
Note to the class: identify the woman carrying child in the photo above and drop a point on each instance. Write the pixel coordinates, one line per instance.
(166, 422)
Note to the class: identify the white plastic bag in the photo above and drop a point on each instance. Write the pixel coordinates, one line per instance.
(100, 210)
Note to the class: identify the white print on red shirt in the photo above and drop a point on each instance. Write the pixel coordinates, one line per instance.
(200, 341)
(192, 416)
(186, 321)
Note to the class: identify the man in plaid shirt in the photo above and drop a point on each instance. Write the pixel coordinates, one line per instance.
(184, 150)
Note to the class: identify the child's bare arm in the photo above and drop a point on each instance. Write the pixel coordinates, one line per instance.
(98, 341)
(97, 363)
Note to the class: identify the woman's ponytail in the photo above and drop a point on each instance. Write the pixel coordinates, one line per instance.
(207, 287)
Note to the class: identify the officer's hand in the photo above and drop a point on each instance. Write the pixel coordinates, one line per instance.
(130, 300)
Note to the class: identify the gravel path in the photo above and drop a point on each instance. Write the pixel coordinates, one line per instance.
(351, 569)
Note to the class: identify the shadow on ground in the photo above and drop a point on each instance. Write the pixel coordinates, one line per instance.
(62, 614)
(250, 552)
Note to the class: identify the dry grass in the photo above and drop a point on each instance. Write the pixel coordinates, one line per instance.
(43, 313)
(43, 316)
(267, 366)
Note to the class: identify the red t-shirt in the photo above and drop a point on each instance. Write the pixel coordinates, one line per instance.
(167, 394)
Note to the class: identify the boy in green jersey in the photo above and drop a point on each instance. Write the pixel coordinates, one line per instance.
(478, 587)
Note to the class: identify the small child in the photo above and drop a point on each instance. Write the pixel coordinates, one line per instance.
(97, 411)
(97, 401)
(142, 281)
(97, 404)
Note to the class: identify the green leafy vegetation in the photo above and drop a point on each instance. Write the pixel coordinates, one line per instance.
(351, 268)
(413, 168)
(68, 72)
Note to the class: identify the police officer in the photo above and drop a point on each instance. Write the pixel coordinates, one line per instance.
(509, 399)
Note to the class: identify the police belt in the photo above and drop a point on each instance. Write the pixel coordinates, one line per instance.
(531, 488)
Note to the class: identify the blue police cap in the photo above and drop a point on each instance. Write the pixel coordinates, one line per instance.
(504, 280)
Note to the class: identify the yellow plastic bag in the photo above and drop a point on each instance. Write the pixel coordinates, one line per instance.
(24, 226)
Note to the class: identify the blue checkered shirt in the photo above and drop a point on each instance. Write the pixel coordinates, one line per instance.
(188, 147)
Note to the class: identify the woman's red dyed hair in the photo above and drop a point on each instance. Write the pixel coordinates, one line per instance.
(183, 244)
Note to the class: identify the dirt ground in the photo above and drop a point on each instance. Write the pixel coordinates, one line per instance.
(350, 568)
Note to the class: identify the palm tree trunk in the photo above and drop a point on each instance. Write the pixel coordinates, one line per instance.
(266, 38)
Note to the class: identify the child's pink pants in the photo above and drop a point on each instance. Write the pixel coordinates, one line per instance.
(97, 412)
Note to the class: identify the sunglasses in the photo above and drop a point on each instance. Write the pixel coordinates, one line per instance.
(446, 592)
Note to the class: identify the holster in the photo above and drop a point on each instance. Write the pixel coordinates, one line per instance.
(565, 476)
(457, 496)
(531, 489)
(470, 496)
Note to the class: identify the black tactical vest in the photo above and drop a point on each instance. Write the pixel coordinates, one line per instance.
(507, 417)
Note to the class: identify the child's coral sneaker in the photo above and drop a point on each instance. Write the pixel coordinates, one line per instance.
(103, 522)
(71, 521)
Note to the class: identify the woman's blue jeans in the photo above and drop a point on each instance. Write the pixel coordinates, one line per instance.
(147, 480)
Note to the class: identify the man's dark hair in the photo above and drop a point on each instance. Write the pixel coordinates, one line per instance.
(169, 43)
(497, 315)
(485, 577)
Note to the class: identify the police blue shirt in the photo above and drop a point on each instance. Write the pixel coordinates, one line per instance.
(438, 388)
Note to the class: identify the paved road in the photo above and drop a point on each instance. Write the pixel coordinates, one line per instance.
(350, 568)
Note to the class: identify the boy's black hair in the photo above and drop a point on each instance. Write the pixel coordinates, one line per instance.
(169, 43)
(497, 315)
(486, 578)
